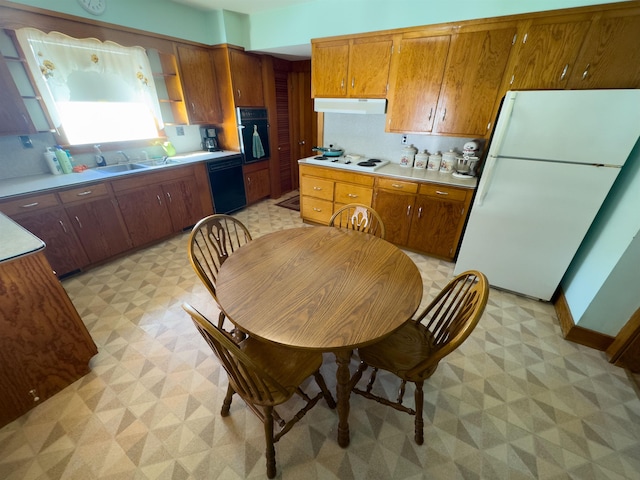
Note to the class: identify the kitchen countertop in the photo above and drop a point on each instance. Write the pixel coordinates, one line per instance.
(15, 241)
(37, 183)
(407, 173)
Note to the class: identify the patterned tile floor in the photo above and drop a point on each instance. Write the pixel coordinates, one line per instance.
(516, 401)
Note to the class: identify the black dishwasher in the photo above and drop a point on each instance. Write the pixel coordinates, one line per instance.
(227, 184)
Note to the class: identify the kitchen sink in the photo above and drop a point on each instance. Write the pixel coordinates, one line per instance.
(123, 167)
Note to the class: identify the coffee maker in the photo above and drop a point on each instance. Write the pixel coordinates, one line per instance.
(209, 139)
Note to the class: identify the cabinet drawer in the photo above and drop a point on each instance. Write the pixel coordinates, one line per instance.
(347, 193)
(317, 187)
(84, 193)
(316, 210)
(442, 191)
(397, 185)
(28, 204)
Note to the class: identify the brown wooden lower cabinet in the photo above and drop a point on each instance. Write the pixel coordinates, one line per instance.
(145, 213)
(44, 346)
(257, 181)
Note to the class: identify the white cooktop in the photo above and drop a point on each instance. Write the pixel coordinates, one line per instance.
(347, 163)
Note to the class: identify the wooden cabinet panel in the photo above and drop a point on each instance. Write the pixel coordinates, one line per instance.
(610, 56)
(348, 193)
(396, 210)
(246, 75)
(63, 249)
(183, 203)
(316, 187)
(145, 214)
(357, 67)
(198, 80)
(472, 79)
(44, 346)
(546, 53)
(415, 83)
(257, 184)
(329, 68)
(316, 210)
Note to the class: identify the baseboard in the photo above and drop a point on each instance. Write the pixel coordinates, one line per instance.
(576, 334)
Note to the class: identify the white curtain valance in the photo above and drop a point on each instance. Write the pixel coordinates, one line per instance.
(67, 69)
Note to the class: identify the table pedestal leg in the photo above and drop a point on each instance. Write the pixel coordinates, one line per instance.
(343, 377)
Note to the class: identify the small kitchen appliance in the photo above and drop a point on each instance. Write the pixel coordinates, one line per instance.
(209, 139)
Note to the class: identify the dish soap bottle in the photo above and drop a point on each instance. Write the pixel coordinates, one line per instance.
(63, 159)
(100, 161)
(52, 161)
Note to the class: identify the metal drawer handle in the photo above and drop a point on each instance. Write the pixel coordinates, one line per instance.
(159, 199)
(29, 205)
(408, 210)
(397, 185)
(564, 72)
(317, 188)
(420, 212)
(442, 193)
(169, 197)
(352, 195)
(86, 192)
(586, 71)
(430, 113)
(444, 114)
(78, 221)
(315, 209)
(64, 229)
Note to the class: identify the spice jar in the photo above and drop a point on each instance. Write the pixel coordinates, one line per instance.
(421, 160)
(408, 155)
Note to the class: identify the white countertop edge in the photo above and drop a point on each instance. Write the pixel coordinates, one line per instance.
(407, 173)
(39, 183)
(15, 241)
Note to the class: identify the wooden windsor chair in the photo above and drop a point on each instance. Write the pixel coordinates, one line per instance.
(357, 216)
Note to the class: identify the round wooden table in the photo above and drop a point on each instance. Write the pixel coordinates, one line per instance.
(320, 288)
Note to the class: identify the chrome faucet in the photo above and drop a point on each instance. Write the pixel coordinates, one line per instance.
(127, 159)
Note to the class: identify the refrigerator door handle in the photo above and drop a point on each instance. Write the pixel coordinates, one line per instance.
(496, 146)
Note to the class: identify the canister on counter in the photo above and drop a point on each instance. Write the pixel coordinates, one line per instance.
(421, 161)
(408, 155)
(448, 161)
(434, 162)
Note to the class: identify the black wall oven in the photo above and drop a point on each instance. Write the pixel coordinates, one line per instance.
(253, 129)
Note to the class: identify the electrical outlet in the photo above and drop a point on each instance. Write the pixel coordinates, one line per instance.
(26, 141)
(180, 131)
(404, 139)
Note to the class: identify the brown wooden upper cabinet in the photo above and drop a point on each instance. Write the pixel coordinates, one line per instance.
(246, 78)
(356, 67)
(610, 55)
(448, 84)
(14, 117)
(197, 73)
(546, 51)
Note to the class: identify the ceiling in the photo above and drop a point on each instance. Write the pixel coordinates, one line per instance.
(241, 6)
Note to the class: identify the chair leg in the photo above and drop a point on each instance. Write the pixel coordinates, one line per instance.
(268, 435)
(325, 391)
(419, 427)
(226, 404)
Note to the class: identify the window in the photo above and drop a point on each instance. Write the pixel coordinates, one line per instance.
(95, 91)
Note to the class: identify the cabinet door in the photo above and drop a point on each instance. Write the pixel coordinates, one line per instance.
(435, 225)
(415, 83)
(14, 117)
(369, 60)
(63, 250)
(546, 54)
(329, 66)
(610, 56)
(99, 228)
(472, 78)
(246, 74)
(396, 210)
(145, 214)
(183, 202)
(257, 185)
(198, 80)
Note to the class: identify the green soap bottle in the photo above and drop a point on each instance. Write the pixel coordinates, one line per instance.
(63, 160)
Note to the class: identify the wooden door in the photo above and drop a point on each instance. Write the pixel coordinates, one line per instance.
(472, 79)
(246, 74)
(145, 214)
(285, 120)
(329, 68)
(610, 56)
(183, 202)
(434, 226)
(415, 83)
(63, 249)
(396, 210)
(197, 74)
(546, 53)
(369, 61)
(99, 228)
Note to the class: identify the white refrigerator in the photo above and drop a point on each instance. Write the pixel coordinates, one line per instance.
(553, 157)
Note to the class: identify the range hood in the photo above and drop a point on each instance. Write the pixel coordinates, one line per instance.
(350, 105)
